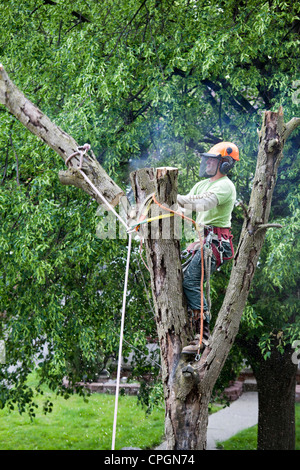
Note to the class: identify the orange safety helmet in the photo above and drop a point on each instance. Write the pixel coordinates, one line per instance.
(224, 149)
(227, 154)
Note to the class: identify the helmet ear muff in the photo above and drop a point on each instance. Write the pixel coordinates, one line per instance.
(226, 166)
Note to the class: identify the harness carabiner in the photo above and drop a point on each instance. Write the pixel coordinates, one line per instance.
(198, 357)
(221, 250)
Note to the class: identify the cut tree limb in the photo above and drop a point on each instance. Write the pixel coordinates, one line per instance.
(61, 142)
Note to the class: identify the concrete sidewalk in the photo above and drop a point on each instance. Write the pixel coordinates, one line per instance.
(241, 414)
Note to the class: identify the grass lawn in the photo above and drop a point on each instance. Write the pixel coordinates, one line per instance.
(76, 425)
(247, 439)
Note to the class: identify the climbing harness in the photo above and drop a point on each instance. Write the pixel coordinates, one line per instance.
(216, 236)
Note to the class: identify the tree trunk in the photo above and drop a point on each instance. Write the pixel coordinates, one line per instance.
(276, 382)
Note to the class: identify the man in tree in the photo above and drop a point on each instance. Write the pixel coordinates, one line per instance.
(213, 199)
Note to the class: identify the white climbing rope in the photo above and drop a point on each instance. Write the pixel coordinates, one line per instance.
(103, 199)
(121, 343)
(81, 151)
(123, 306)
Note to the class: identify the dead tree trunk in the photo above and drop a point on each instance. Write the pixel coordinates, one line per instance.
(188, 386)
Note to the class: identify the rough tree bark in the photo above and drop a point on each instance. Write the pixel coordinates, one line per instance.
(187, 387)
(276, 382)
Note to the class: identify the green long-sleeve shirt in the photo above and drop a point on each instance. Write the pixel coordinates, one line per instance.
(224, 189)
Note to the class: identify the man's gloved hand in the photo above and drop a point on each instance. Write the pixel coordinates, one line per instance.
(198, 202)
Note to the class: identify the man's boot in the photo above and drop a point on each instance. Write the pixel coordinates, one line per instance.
(193, 346)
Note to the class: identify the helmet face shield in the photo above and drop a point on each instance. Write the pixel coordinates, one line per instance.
(209, 165)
